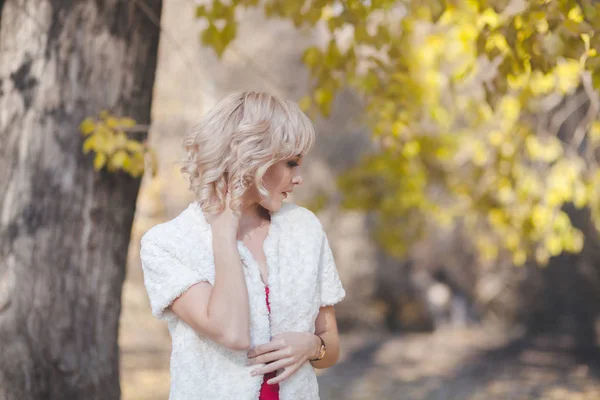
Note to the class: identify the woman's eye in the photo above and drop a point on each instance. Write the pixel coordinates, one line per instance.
(292, 164)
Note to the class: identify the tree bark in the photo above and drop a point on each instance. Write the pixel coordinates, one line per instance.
(64, 228)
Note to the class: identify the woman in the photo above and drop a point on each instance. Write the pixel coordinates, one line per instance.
(246, 282)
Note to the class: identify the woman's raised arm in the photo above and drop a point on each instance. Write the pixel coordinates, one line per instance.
(220, 312)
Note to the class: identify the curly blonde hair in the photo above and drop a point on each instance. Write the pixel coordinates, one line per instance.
(237, 141)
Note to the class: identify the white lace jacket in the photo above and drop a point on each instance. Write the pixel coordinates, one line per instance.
(302, 278)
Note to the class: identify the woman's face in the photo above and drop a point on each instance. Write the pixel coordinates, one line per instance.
(280, 180)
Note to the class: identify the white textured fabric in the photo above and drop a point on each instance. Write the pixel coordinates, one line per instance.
(302, 278)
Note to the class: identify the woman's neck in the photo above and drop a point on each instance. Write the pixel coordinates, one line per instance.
(253, 216)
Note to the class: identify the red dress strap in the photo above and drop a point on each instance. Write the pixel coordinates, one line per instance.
(268, 392)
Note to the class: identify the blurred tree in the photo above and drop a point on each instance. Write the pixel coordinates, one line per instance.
(64, 227)
(484, 114)
(462, 97)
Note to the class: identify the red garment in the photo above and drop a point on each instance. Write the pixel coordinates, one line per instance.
(269, 392)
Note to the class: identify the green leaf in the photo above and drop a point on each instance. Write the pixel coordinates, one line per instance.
(201, 11)
(311, 57)
(323, 98)
(332, 55)
(228, 33)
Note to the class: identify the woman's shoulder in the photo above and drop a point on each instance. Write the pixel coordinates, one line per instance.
(174, 230)
(296, 217)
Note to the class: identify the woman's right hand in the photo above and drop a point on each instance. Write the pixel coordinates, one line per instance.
(225, 223)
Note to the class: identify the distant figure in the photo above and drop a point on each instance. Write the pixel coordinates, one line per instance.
(448, 302)
(246, 282)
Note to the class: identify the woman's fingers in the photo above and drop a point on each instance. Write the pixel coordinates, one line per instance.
(274, 366)
(287, 372)
(267, 347)
(270, 357)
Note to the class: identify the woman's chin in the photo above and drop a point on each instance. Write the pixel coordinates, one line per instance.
(273, 206)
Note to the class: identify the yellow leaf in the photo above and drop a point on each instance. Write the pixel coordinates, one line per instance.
(327, 13)
(511, 240)
(541, 83)
(518, 22)
(411, 148)
(553, 245)
(595, 131)
(542, 25)
(580, 198)
(99, 161)
(569, 75)
(127, 123)
(510, 109)
(120, 140)
(517, 81)
(561, 222)
(112, 122)
(118, 159)
(332, 55)
(575, 15)
(573, 242)
(489, 251)
(89, 144)
(505, 192)
(549, 150)
(586, 40)
(488, 17)
(555, 197)
(480, 155)
(311, 56)
(100, 142)
(540, 215)
(228, 33)
(134, 146)
(398, 127)
(519, 257)
(441, 116)
(467, 33)
(443, 153)
(496, 138)
(496, 218)
(87, 126)
(323, 98)
(305, 103)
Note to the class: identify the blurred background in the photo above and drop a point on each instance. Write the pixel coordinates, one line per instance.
(427, 316)
(455, 172)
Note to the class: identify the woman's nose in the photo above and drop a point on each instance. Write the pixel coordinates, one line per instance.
(297, 180)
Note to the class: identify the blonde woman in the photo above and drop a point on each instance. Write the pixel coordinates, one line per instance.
(246, 282)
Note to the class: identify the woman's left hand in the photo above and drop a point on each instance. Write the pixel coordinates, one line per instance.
(287, 350)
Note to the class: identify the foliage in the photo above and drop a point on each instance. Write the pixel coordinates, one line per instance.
(470, 107)
(106, 136)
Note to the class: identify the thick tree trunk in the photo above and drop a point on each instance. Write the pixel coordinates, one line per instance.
(64, 228)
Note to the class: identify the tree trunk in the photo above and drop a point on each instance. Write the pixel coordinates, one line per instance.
(64, 228)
